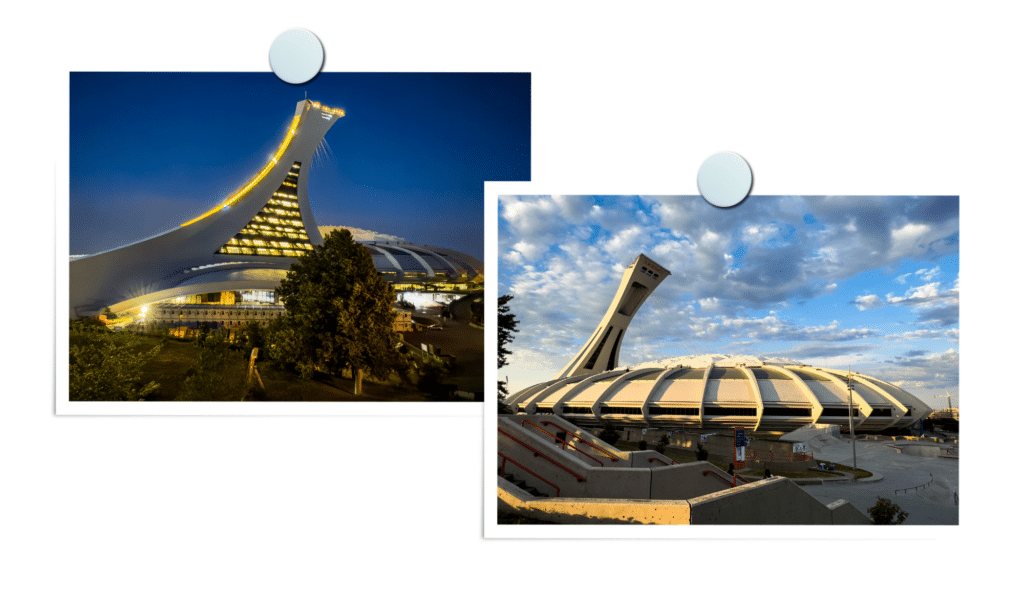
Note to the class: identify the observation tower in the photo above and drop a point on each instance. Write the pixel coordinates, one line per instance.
(249, 241)
(601, 352)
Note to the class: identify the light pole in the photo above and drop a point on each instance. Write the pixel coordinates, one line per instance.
(853, 436)
(949, 400)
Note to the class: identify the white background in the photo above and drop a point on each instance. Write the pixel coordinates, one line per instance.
(865, 98)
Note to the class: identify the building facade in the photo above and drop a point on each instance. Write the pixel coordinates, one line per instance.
(249, 241)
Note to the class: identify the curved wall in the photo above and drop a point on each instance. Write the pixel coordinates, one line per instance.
(766, 397)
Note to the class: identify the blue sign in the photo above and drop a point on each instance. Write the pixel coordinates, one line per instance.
(741, 438)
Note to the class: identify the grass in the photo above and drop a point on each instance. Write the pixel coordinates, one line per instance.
(176, 359)
(858, 473)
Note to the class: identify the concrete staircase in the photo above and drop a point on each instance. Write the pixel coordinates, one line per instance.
(521, 484)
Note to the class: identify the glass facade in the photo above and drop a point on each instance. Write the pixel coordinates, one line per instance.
(277, 230)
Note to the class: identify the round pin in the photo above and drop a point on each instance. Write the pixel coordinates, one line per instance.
(725, 179)
(296, 56)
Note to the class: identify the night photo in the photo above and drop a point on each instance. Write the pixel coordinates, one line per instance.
(234, 237)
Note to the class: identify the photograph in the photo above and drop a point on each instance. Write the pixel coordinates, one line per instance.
(237, 238)
(663, 360)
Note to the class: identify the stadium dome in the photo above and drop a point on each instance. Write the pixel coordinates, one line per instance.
(719, 391)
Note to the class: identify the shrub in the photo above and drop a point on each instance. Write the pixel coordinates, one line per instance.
(662, 444)
(642, 445)
(105, 365)
(608, 433)
(205, 381)
(702, 453)
(884, 512)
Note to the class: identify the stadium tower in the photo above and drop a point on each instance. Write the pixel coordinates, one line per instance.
(601, 353)
(247, 242)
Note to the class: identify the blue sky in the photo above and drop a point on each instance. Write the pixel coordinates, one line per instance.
(867, 282)
(150, 151)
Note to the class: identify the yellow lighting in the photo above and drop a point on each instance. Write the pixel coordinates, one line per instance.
(266, 170)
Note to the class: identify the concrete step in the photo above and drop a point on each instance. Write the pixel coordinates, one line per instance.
(521, 484)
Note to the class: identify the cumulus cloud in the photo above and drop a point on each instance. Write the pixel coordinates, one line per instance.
(361, 235)
(932, 371)
(823, 351)
(562, 257)
(865, 302)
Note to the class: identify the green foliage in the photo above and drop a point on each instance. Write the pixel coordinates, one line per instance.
(476, 311)
(105, 365)
(702, 453)
(507, 324)
(642, 445)
(205, 382)
(608, 433)
(254, 337)
(431, 381)
(340, 313)
(662, 444)
(885, 512)
(110, 315)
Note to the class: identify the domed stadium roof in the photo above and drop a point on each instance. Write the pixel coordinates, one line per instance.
(720, 391)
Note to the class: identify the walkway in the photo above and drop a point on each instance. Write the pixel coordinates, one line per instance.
(459, 339)
(932, 504)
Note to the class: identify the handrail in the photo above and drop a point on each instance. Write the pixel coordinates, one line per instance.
(558, 491)
(599, 462)
(735, 475)
(924, 485)
(580, 438)
(732, 483)
(578, 477)
(653, 459)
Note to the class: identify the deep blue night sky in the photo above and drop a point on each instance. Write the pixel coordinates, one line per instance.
(150, 151)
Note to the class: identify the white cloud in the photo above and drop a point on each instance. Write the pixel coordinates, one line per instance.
(529, 251)
(865, 302)
(929, 274)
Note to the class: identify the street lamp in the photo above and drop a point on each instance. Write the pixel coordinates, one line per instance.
(949, 400)
(853, 435)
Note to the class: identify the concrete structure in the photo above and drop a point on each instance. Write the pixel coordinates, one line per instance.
(553, 470)
(708, 391)
(601, 352)
(229, 316)
(717, 391)
(778, 455)
(247, 242)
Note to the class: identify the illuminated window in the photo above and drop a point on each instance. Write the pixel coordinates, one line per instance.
(280, 218)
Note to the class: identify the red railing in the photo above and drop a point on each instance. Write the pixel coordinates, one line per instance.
(537, 453)
(563, 442)
(505, 457)
(581, 439)
(653, 459)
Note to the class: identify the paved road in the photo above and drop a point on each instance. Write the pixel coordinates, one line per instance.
(459, 339)
(933, 504)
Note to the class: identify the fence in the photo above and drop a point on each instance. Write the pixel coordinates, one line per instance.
(922, 486)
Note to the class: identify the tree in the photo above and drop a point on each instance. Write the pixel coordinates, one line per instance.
(884, 511)
(339, 313)
(663, 442)
(507, 324)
